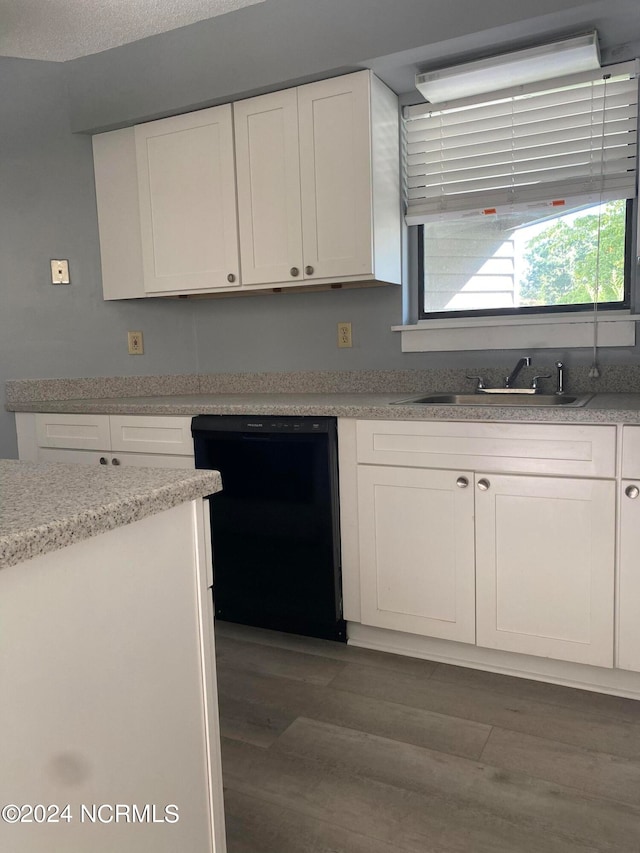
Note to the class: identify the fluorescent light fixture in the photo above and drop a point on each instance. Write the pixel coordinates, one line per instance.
(507, 70)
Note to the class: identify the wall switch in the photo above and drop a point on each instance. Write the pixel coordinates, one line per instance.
(136, 343)
(59, 272)
(344, 335)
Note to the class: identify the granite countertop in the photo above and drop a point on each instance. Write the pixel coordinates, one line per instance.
(602, 408)
(47, 506)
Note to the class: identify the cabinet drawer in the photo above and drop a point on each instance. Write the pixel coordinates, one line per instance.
(631, 452)
(587, 451)
(82, 457)
(78, 432)
(152, 434)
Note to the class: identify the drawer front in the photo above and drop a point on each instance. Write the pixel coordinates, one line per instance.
(77, 432)
(552, 449)
(152, 434)
(631, 452)
(152, 460)
(82, 457)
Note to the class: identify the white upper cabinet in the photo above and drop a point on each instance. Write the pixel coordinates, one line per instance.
(269, 188)
(335, 176)
(318, 187)
(309, 194)
(186, 187)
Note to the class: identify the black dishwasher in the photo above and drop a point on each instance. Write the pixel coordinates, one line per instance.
(275, 524)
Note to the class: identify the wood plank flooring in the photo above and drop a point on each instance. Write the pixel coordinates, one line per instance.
(332, 749)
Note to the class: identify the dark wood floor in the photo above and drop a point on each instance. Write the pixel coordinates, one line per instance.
(333, 749)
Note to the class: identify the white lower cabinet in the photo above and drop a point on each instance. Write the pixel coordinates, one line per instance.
(520, 562)
(629, 549)
(109, 697)
(417, 551)
(545, 561)
(141, 441)
(629, 580)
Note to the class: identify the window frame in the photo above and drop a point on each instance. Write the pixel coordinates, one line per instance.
(559, 328)
(624, 304)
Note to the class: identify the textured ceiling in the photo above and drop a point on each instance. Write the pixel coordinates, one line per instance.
(65, 29)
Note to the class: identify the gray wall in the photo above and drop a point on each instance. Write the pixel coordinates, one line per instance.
(282, 42)
(47, 210)
(47, 203)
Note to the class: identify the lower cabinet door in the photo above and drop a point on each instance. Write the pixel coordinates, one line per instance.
(629, 596)
(545, 556)
(417, 551)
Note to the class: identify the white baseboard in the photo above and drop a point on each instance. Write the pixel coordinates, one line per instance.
(617, 682)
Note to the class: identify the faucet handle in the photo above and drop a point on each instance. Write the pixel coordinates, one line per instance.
(534, 381)
(480, 386)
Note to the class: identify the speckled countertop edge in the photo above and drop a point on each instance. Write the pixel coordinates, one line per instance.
(613, 378)
(609, 408)
(47, 506)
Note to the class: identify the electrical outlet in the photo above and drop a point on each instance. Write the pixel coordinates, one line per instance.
(344, 335)
(60, 272)
(136, 343)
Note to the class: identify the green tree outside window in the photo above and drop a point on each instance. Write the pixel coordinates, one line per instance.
(561, 262)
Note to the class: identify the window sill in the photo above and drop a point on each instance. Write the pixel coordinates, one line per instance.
(557, 331)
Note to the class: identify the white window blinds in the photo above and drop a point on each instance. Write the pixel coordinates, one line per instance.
(539, 145)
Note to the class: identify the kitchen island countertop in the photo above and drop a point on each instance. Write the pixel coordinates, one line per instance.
(47, 506)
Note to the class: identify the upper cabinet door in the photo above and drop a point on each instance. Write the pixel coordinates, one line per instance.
(335, 174)
(186, 184)
(269, 188)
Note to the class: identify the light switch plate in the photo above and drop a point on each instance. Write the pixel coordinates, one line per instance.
(60, 272)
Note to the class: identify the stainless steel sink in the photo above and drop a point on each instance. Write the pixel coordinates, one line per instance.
(511, 399)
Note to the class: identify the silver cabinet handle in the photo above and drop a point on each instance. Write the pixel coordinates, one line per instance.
(231, 278)
(294, 271)
(103, 460)
(483, 484)
(308, 270)
(632, 492)
(462, 482)
(115, 461)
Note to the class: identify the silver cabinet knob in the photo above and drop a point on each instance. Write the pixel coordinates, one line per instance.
(462, 482)
(308, 270)
(103, 460)
(231, 278)
(483, 484)
(294, 271)
(632, 492)
(115, 461)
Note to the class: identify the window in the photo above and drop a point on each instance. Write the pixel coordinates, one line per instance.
(513, 263)
(523, 202)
